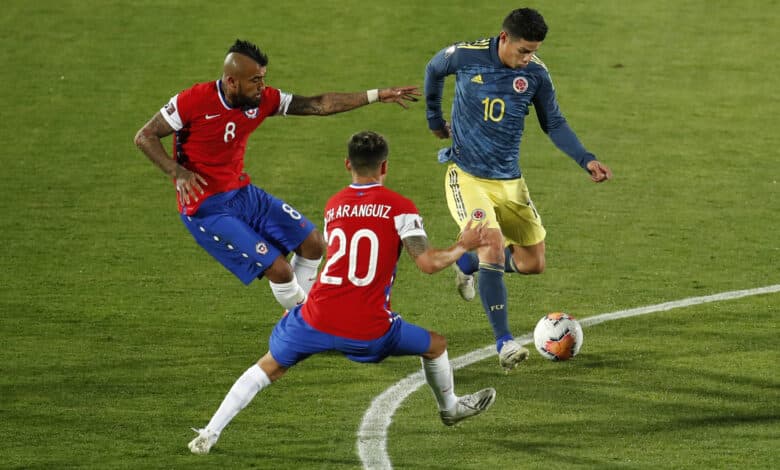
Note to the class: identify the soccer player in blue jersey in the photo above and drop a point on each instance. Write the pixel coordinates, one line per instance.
(496, 81)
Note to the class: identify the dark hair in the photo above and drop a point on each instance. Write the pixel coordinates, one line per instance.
(525, 23)
(366, 151)
(250, 50)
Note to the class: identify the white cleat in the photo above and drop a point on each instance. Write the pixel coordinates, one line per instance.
(465, 284)
(203, 442)
(511, 355)
(468, 406)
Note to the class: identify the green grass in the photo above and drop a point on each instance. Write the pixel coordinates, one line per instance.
(108, 355)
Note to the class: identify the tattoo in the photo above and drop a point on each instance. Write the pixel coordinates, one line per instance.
(159, 126)
(303, 106)
(416, 245)
(328, 103)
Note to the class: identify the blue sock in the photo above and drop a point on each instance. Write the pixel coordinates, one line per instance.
(492, 292)
(468, 262)
(500, 341)
(509, 262)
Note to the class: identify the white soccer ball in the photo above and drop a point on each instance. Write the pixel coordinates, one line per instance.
(558, 336)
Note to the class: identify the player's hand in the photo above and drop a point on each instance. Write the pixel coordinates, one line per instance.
(188, 185)
(473, 235)
(399, 95)
(598, 171)
(443, 133)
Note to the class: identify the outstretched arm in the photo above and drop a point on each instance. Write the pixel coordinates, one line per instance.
(147, 139)
(430, 260)
(555, 126)
(332, 103)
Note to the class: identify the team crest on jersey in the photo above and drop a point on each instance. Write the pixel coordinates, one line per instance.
(477, 214)
(251, 113)
(520, 84)
(261, 248)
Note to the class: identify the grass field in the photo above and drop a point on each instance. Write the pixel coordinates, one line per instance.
(119, 333)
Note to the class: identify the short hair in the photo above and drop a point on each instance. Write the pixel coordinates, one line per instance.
(525, 23)
(366, 152)
(250, 50)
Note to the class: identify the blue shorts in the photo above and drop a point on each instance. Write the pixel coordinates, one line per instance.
(293, 340)
(247, 229)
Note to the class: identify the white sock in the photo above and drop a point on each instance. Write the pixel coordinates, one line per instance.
(240, 394)
(288, 294)
(438, 374)
(305, 271)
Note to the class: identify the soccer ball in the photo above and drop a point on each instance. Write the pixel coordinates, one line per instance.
(558, 336)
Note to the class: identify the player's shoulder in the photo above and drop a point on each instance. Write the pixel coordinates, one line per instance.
(538, 65)
(470, 51)
(477, 45)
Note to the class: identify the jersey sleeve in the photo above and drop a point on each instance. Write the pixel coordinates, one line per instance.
(408, 222)
(441, 65)
(284, 103)
(170, 112)
(554, 124)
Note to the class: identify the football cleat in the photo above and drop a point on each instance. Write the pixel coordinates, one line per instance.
(203, 442)
(465, 284)
(468, 406)
(511, 355)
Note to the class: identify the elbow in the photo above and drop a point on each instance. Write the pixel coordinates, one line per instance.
(428, 267)
(139, 140)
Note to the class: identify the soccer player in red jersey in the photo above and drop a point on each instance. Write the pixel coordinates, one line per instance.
(348, 310)
(246, 229)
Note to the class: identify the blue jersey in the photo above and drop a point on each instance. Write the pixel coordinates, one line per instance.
(489, 109)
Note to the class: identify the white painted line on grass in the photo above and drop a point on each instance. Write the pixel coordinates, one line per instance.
(372, 435)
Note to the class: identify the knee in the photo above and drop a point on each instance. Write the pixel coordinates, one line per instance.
(437, 347)
(280, 271)
(313, 247)
(536, 266)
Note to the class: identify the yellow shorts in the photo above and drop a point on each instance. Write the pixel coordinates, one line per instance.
(504, 204)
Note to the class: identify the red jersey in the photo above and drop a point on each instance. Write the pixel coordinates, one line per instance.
(364, 226)
(211, 136)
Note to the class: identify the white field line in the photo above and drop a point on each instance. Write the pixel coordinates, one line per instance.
(372, 435)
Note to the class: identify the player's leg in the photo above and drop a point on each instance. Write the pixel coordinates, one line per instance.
(306, 259)
(251, 382)
(526, 259)
(523, 230)
(474, 198)
(289, 230)
(440, 378)
(292, 341)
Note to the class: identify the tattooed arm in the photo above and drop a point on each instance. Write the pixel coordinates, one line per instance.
(430, 260)
(332, 103)
(147, 139)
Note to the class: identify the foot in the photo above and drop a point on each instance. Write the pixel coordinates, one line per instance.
(203, 442)
(511, 355)
(465, 284)
(468, 406)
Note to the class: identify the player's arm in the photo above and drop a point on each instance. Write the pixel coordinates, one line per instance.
(332, 103)
(557, 129)
(430, 260)
(148, 140)
(435, 73)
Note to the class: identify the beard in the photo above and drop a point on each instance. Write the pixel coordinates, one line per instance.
(245, 102)
(239, 100)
